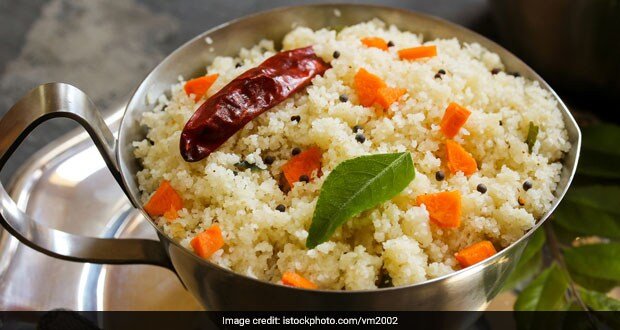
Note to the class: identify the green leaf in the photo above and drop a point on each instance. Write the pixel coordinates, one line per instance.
(600, 155)
(591, 283)
(595, 260)
(591, 210)
(357, 185)
(244, 165)
(530, 262)
(599, 301)
(545, 292)
(598, 164)
(602, 137)
(532, 134)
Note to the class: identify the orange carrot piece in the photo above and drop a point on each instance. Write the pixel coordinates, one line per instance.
(367, 86)
(388, 95)
(164, 200)
(207, 242)
(475, 253)
(453, 119)
(415, 53)
(371, 89)
(200, 86)
(296, 280)
(459, 159)
(304, 163)
(444, 208)
(375, 42)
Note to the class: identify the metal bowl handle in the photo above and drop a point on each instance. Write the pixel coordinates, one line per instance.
(39, 105)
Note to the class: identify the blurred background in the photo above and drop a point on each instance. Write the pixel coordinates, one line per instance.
(107, 47)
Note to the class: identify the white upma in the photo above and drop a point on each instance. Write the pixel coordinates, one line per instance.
(265, 229)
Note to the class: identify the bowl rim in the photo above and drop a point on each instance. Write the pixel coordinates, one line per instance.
(497, 258)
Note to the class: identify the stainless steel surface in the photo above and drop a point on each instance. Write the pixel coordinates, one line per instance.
(68, 186)
(218, 288)
(122, 287)
(61, 100)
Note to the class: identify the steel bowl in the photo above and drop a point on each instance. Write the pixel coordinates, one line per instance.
(214, 287)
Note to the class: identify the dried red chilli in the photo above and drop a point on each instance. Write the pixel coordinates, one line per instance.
(246, 97)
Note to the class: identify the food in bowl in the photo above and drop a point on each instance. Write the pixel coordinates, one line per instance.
(389, 160)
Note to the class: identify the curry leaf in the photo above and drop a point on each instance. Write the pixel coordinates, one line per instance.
(545, 292)
(595, 260)
(357, 185)
(591, 210)
(532, 134)
(602, 137)
(592, 283)
(600, 152)
(599, 301)
(244, 165)
(598, 164)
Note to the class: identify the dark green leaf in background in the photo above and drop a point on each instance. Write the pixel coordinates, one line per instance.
(595, 260)
(591, 210)
(602, 137)
(356, 185)
(545, 293)
(599, 165)
(599, 301)
(592, 283)
(600, 154)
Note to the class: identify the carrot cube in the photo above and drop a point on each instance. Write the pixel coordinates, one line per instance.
(371, 89)
(459, 159)
(367, 86)
(164, 200)
(475, 253)
(388, 95)
(199, 86)
(444, 208)
(453, 119)
(415, 53)
(207, 242)
(296, 280)
(304, 163)
(375, 42)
